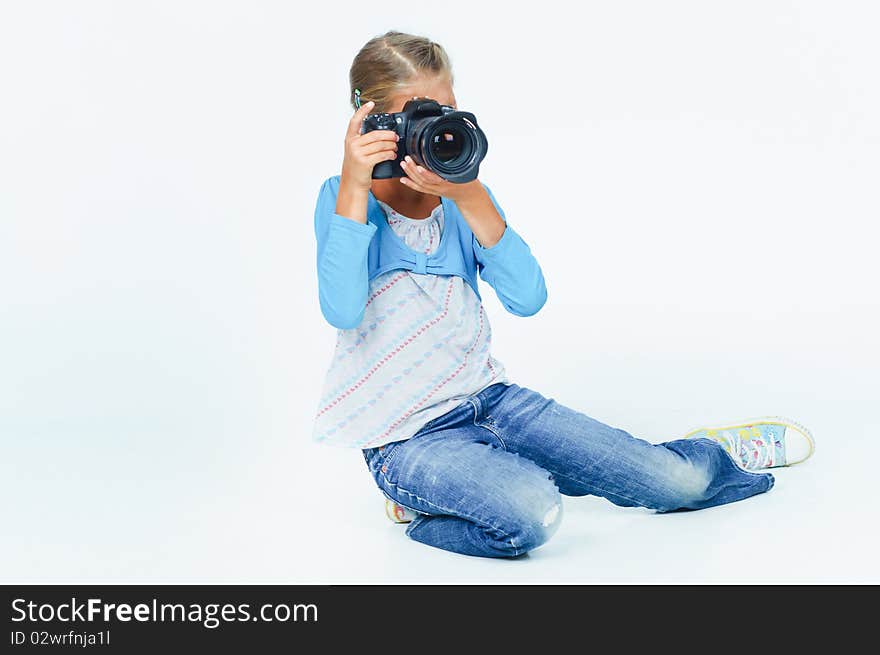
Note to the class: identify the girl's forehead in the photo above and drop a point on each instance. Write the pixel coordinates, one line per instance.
(439, 90)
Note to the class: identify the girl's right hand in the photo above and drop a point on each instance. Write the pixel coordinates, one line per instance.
(364, 151)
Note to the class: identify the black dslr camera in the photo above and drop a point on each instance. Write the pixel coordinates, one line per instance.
(443, 140)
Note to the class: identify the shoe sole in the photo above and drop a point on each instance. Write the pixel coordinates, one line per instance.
(779, 420)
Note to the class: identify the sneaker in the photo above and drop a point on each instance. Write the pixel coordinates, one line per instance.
(398, 513)
(762, 443)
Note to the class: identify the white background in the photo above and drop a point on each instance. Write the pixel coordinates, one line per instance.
(698, 181)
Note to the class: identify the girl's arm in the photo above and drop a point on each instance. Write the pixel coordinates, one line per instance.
(343, 244)
(341, 224)
(506, 262)
(511, 269)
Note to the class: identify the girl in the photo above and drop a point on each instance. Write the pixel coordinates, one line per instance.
(474, 462)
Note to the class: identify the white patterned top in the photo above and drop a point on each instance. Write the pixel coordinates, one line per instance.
(422, 347)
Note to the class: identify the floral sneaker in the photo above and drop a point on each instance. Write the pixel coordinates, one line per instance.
(398, 513)
(762, 443)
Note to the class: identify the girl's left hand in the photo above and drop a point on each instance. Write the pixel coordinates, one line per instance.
(421, 179)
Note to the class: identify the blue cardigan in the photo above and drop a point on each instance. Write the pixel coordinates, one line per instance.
(351, 254)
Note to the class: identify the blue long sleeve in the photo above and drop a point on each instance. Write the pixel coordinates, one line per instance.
(511, 269)
(343, 263)
(343, 277)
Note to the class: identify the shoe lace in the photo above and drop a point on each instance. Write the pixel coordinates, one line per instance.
(753, 449)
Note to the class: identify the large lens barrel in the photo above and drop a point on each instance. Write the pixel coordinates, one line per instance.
(452, 145)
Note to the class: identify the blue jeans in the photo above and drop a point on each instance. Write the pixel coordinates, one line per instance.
(487, 475)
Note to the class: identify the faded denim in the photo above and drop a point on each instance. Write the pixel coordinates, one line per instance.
(487, 477)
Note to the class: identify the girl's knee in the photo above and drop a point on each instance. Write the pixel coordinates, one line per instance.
(537, 522)
(685, 486)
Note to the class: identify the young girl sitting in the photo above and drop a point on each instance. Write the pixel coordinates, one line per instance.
(473, 462)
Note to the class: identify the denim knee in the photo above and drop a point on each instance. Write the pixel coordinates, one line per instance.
(538, 522)
(685, 486)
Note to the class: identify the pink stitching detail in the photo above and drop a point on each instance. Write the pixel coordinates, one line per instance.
(386, 286)
(399, 348)
(437, 388)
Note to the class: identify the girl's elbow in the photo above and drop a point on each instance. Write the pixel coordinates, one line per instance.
(344, 321)
(341, 317)
(531, 305)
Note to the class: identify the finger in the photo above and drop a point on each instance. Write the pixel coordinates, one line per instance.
(357, 120)
(414, 171)
(378, 146)
(412, 179)
(412, 184)
(376, 135)
(428, 177)
(372, 160)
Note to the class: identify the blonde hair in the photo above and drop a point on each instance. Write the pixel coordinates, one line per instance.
(388, 63)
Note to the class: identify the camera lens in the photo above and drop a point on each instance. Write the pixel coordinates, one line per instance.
(452, 146)
(447, 146)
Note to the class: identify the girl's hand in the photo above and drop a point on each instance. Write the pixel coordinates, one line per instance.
(421, 179)
(364, 151)
(471, 198)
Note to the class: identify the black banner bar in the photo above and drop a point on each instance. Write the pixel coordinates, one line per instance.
(256, 619)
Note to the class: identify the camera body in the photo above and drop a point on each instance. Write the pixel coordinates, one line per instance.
(443, 140)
